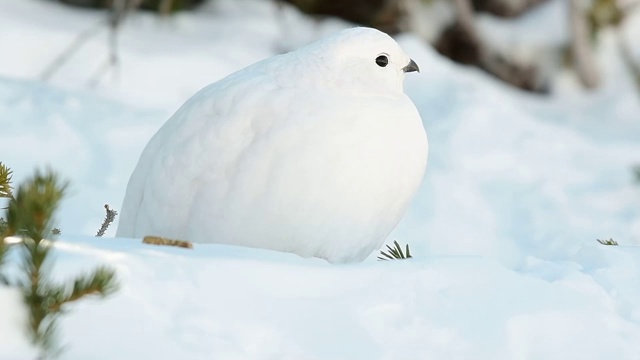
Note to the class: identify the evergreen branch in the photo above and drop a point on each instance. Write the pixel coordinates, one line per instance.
(398, 248)
(102, 282)
(111, 215)
(385, 255)
(608, 242)
(395, 252)
(31, 210)
(3, 248)
(5, 181)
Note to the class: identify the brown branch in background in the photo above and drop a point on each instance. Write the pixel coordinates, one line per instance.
(109, 218)
(627, 57)
(112, 60)
(118, 12)
(627, 9)
(613, 14)
(581, 49)
(164, 7)
(466, 18)
(462, 42)
(633, 64)
(505, 8)
(412, 16)
(77, 43)
(120, 9)
(380, 14)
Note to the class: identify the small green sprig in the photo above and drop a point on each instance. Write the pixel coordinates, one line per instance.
(609, 242)
(395, 252)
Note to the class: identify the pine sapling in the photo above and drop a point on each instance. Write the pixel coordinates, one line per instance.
(30, 215)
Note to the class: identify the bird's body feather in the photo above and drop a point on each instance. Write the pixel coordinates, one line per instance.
(272, 158)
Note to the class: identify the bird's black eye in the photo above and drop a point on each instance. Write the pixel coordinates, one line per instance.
(382, 60)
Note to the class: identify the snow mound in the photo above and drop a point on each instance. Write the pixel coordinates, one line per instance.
(227, 302)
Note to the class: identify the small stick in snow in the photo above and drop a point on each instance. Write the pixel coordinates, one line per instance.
(156, 240)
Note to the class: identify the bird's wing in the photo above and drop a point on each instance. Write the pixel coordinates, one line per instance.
(200, 144)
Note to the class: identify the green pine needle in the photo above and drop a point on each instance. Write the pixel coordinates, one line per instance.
(395, 252)
(101, 282)
(609, 242)
(5, 181)
(31, 210)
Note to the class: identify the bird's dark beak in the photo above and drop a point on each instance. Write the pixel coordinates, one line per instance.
(412, 66)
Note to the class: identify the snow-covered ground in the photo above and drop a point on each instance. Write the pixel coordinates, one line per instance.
(503, 230)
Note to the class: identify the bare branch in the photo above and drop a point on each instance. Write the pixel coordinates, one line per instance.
(119, 11)
(164, 8)
(466, 17)
(583, 56)
(64, 57)
(627, 56)
(505, 8)
(463, 42)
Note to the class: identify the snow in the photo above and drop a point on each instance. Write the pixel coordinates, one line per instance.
(225, 302)
(521, 174)
(503, 229)
(91, 142)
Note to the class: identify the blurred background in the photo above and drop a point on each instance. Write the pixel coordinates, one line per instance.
(532, 106)
(528, 44)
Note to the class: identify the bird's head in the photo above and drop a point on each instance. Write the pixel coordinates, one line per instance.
(361, 59)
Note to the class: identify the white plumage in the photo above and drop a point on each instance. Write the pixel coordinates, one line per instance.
(316, 152)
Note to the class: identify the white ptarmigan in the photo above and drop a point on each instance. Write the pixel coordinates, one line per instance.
(316, 152)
